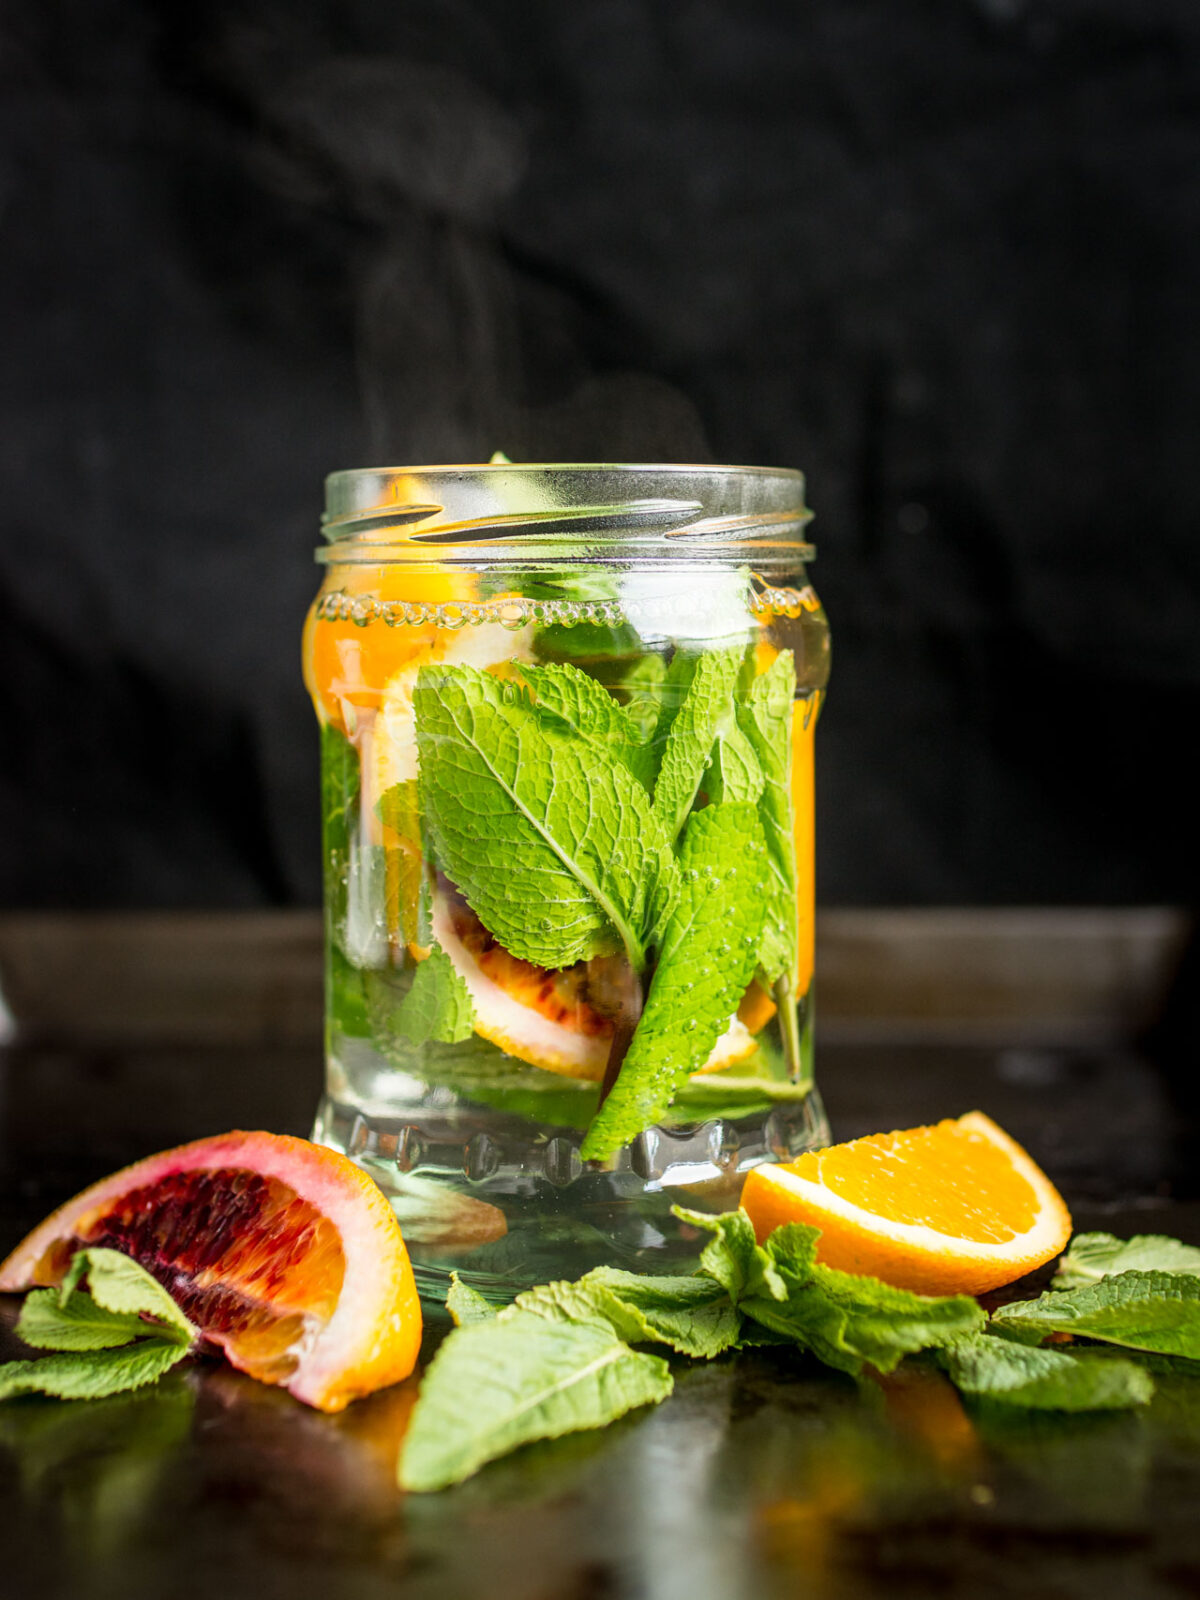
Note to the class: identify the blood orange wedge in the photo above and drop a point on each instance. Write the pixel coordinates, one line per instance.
(955, 1208)
(285, 1255)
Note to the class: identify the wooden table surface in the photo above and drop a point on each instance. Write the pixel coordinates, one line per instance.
(764, 1475)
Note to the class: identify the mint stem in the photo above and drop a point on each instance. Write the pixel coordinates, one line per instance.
(789, 1022)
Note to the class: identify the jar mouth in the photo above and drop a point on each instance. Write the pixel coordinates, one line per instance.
(530, 513)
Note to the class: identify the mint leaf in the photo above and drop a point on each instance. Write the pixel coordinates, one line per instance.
(845, 1320)
(1047, 1380)
(584, 707)
(734, 771)
(765, 717)
(708, 955)
(1157, 1311)
(556, 849)
(848, 1321)
(339, 802)
(1093, 1256)
(707, 684)
(81, 1324)
(92, 1374)
(466, 1304)
(734, 1258)
(692, 1315)
(498, 1384)
(438, 1006)
(117, 1283)
(398, 809)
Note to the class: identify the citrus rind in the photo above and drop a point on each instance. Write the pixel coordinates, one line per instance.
(371, 1339)
(908, 1255)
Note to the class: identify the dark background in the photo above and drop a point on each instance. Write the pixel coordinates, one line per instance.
(943, 255)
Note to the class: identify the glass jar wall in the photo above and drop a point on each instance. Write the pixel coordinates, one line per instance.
(567, 720)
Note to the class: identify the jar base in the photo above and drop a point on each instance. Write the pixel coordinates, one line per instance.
(507, 1205)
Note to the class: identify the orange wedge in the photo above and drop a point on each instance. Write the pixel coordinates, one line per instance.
(285, 1255)
(955, 1208)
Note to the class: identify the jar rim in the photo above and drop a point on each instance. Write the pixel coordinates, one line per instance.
(534, 512)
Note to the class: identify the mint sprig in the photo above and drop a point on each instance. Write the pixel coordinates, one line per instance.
(557, 850)
(561, 1358)
(124, 1331)
(1043, 1379)
(1153, 1311)
(698, 694)
(1094, 1256)
(708, 955)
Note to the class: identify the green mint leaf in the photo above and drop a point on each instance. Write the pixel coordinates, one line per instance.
(498, 1384)
(765, 717)
(584, 707)
(466, 1304)
(1046, 1380)
(399, 810)
(556, 849)
(1156, 1311)
(339, 804)
(708, 953)
(92, 1374)
(694, 1316)
(438, 1006)
(118, 1283)
(734, 1258)
(734, 771)
(1093, 1256)
(706, 683)
(849, 1321)
(47, 1324)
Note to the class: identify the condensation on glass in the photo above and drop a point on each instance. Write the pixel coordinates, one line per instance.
(567, 719)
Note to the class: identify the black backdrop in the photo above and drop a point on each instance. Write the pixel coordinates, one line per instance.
(942, 254)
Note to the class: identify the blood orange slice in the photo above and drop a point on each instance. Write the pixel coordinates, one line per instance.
(284, 1254)
(560, 1020)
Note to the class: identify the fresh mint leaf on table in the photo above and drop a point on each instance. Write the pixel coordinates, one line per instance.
(1043, 1379)
(694, 1316)
(708, 954)
(1094, 1256)
(1154, 1311)
(125, 1332)
(466, 1304)
(556, 849)
(91, 1375)
(844, 1319)
(849, 1322)
(734, 1258)
(501, 1382)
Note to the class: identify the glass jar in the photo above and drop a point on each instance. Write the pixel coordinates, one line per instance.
(567, 719)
